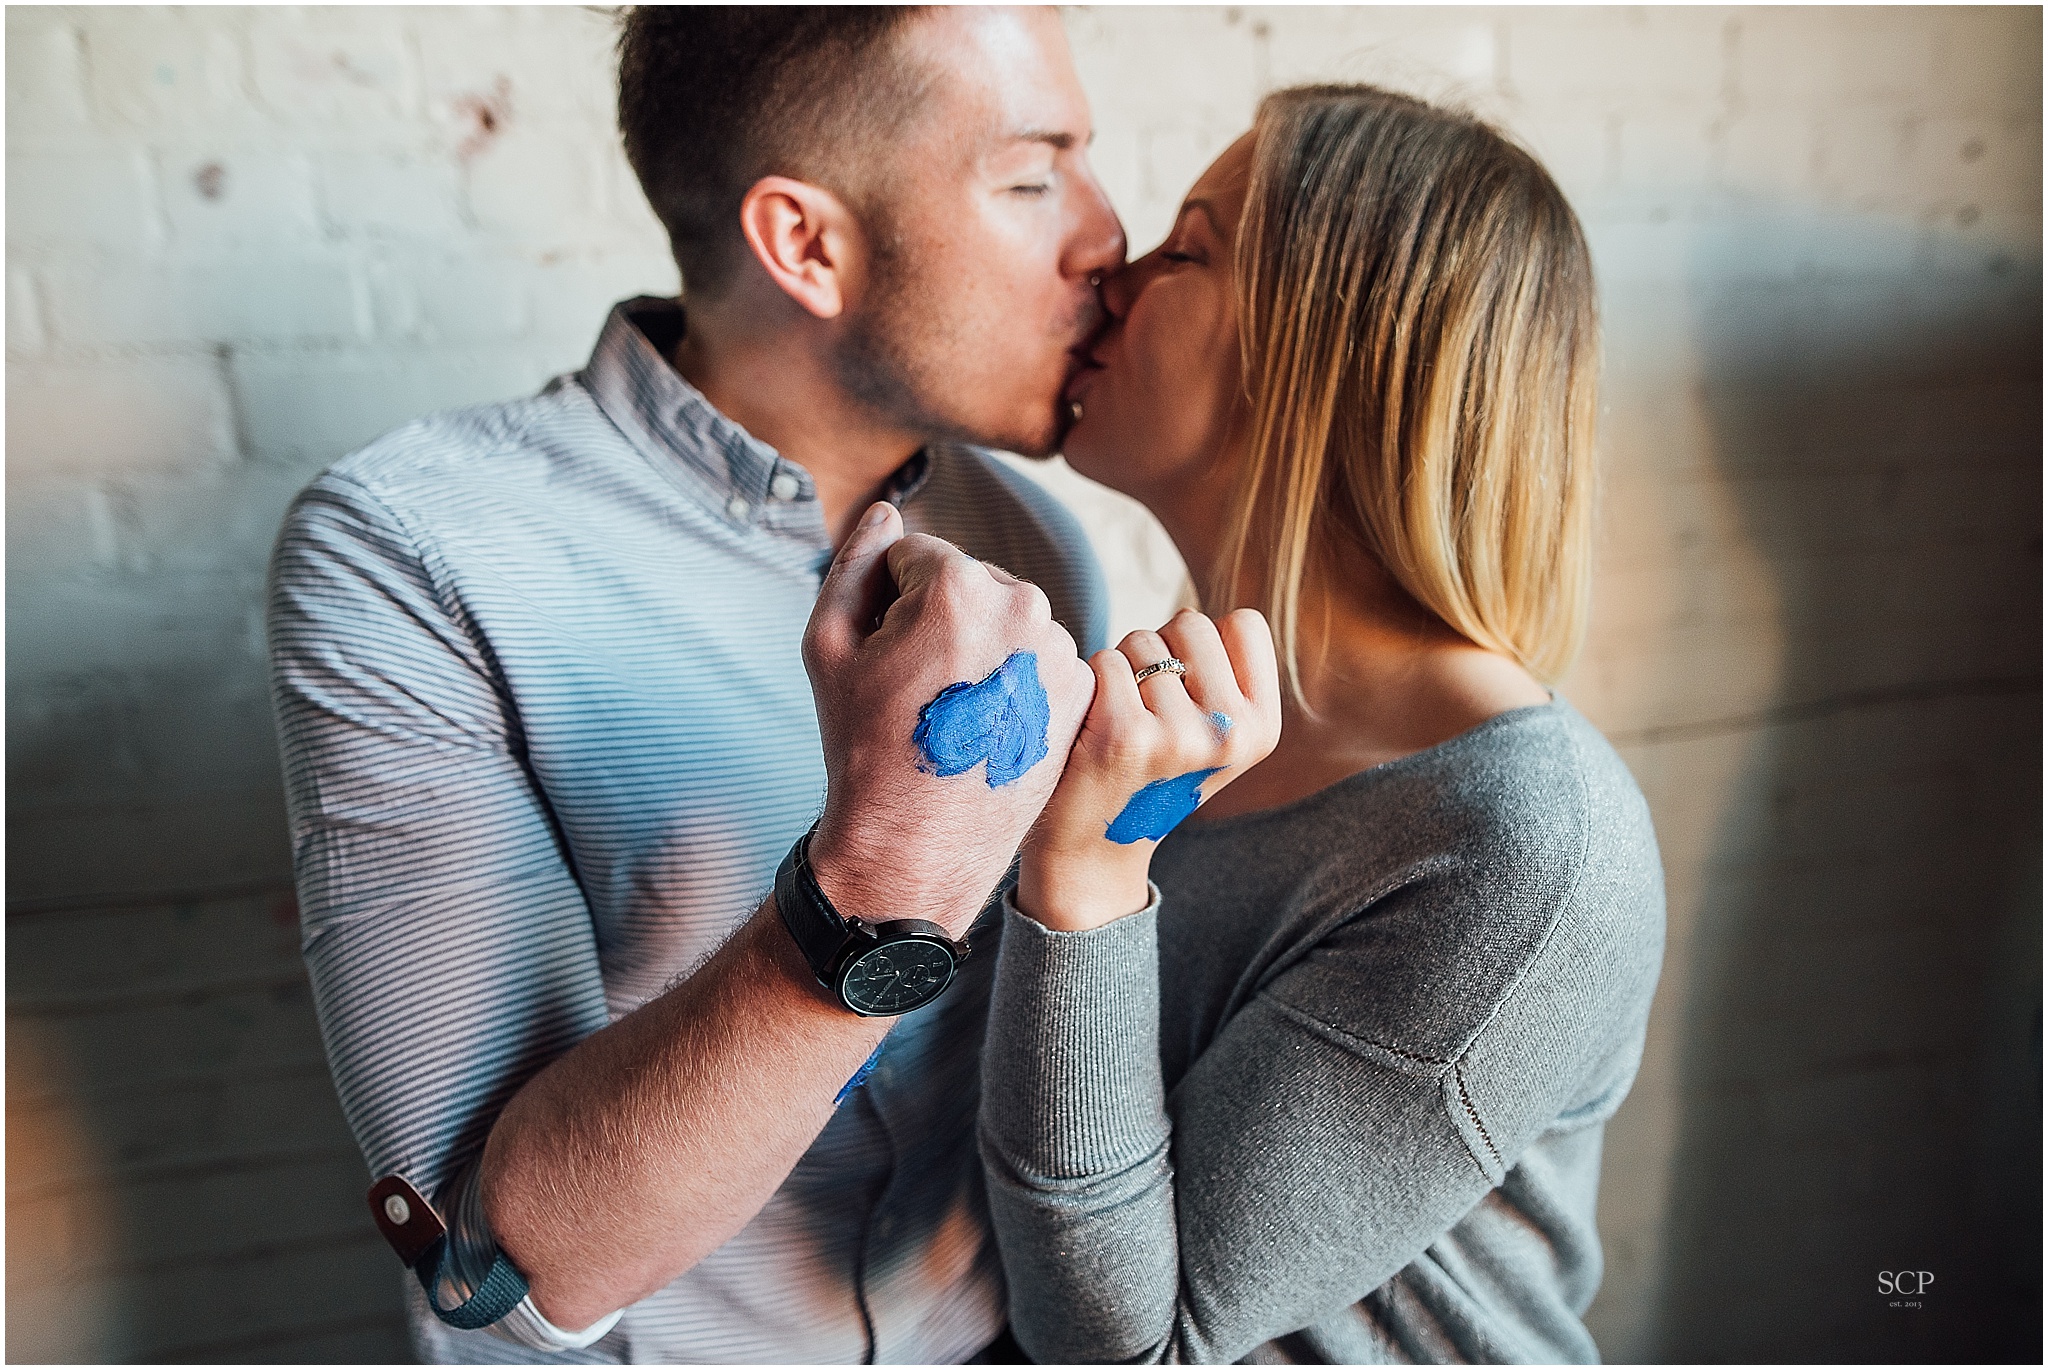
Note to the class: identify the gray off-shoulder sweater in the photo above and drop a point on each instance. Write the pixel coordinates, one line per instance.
(1338, 1094)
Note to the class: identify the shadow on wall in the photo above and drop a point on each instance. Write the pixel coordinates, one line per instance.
(142, 756)
(1860, 1046)
(181, 1185)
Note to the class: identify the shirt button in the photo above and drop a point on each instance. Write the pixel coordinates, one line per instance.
(784, 486)
(736, 507)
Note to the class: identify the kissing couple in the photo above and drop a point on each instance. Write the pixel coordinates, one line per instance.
(753, 914)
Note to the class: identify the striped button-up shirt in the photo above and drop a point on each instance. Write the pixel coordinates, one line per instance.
(546, 734)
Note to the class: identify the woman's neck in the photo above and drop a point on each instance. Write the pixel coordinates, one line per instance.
(1383, 677)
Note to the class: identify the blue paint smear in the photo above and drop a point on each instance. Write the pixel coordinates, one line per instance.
(1222, 722)
(860, 1076)
(1001, 719)
(1158, 809)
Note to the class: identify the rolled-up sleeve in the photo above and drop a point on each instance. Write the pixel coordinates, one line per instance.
(450, 948)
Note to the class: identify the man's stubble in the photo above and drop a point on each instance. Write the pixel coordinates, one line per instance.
(895, 356)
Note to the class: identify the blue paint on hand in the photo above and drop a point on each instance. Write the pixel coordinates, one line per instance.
(1158, 809)
(1222, 722)
(1001, 719)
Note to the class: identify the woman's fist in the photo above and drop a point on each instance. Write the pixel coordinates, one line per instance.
(1148, 753)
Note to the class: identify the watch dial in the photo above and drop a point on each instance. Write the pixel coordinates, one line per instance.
(897, 977)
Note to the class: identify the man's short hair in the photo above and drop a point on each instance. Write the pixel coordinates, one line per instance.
(714, 97)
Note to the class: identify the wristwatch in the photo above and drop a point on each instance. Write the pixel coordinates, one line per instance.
(877, 970)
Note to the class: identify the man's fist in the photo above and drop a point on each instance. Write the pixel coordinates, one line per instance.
(947, 700)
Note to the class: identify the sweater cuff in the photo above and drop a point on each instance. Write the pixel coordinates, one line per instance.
(1071, 1083)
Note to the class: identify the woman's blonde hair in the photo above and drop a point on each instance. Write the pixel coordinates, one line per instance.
(1420, 345)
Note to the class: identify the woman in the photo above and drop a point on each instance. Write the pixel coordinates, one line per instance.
(1330, 1085)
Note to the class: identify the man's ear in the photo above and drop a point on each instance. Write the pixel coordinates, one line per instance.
(804, 238)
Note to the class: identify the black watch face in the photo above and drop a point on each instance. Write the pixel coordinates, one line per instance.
(896, 977)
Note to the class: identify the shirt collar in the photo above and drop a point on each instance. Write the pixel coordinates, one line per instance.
(630, 377)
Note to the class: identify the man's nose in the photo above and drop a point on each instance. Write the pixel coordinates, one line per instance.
(1099, 246)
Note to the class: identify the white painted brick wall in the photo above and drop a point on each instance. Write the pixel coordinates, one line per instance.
(243, 241)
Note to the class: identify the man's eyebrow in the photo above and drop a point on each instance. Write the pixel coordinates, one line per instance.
(1054, 137)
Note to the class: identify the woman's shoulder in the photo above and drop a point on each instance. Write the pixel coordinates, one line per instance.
(1441, 878)
(1530, 818)
(1528, 802)
(1540, 788)
(1559, 840)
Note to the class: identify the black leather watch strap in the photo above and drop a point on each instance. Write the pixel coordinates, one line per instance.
(837, 947)
(820, 933)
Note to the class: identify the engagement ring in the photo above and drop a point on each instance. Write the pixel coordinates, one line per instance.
(1170, 664)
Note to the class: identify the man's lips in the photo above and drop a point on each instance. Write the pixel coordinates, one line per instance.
(1082, 376)
(1082, 353)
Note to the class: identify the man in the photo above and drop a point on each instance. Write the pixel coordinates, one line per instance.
(540, 674)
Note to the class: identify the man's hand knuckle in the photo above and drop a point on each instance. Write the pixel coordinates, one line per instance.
(959, 578)
(1057, 640)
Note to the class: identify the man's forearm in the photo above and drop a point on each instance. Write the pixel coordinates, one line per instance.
(654, 1141)
(645, 1148)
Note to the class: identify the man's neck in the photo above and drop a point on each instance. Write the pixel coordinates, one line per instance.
(784, 394)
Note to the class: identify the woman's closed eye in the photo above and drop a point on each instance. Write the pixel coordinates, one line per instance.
(1194, 238)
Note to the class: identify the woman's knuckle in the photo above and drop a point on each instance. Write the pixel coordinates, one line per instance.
(1126, 749)
(1190, 739)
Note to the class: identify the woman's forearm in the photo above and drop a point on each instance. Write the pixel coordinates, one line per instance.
(1075, 1136)
(1076, 1140)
